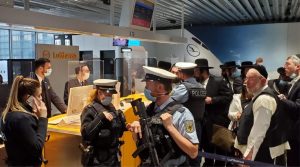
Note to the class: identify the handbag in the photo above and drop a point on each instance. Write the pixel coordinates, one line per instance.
(223, 138)
(87, 154)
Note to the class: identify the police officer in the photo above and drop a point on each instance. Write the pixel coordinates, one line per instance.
(101, 127)
(176, 137)
(191, 94)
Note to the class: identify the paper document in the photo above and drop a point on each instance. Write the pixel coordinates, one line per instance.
(55, 122)
(72, 119)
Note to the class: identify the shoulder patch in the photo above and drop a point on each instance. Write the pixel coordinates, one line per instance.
(189, 126)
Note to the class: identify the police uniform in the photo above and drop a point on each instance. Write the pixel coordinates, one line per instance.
(183, 120)
(100, 136)
(180, 93)
(192, 95)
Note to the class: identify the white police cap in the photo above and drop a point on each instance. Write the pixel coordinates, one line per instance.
(153, 73)
(106, 84)
(185, 65)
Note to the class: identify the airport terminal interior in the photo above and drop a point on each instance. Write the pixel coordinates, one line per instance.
(171, 82)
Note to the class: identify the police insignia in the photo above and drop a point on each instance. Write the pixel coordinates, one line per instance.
(189, 126)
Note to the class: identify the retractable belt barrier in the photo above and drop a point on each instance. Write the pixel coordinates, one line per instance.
(235, 160)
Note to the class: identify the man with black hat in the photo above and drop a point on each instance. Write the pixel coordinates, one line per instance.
(231, 76)
(164, 65)
(191, 94)
(245, 66)
(217, 101)
(264, 121)
(176, 138)
(101, 127)
(281, 84)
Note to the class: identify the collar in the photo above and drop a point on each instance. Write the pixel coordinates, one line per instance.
(39, 77)
(191, 80)
(258, 92)
(205, 81)
(161, 107)
(294, 80)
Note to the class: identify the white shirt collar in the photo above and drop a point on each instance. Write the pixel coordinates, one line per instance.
(258, 92)
(204, 83)
(39, 78)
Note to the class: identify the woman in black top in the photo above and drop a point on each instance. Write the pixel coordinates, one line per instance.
(24, 123)
(101, 127)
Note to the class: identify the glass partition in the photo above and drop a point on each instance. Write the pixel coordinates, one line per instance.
(129, 71)
(81, 75)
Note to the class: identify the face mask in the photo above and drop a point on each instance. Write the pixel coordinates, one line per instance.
(107, 100)
(148, 95)
(48, 73)
(86, 76)
(293, 76)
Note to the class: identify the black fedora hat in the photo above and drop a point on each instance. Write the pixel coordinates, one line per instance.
(202, 63)
(164, 65)
(246, 64)
(229, 64)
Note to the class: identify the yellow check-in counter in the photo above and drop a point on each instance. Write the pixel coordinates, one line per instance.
(62, 149)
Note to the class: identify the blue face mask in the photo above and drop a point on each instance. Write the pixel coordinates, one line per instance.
(107, 100)
(148, 95)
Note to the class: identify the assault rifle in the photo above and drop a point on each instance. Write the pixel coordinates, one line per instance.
(148, 140)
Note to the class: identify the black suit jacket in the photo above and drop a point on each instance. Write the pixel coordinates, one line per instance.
(25, 138)
(221, 95)
(237, 85)
(51, 96)
(71, 84)
(292, 105)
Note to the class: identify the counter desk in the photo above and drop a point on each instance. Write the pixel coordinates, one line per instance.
(62, 149)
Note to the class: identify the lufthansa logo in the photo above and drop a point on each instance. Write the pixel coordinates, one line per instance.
(46, 54)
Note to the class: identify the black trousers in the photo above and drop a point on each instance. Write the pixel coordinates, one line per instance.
(263, 155)
(293, 155)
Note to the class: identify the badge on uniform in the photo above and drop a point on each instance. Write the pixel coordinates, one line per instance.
(189, 126)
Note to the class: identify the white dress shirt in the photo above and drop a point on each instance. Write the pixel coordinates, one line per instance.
(234, 108)
(263, 108)
(204, 83)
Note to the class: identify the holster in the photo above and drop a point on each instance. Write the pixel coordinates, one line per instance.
(87, 154)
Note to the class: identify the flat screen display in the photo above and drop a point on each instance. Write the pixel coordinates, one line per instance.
(142, 14)
(133, 42)
(120, 42)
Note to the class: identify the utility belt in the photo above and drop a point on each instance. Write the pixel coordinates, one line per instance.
(93, 155)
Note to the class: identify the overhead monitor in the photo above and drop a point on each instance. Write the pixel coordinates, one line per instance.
(120, 42)
(78, 99)
(142, 14)
(133, 42)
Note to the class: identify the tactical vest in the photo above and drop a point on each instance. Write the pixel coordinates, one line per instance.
(110, 131)
(196, 101)
(277, 132)
(164, 144)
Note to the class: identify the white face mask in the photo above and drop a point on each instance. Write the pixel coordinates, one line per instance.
(48, 73)
(86, 76)
(293, 76)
